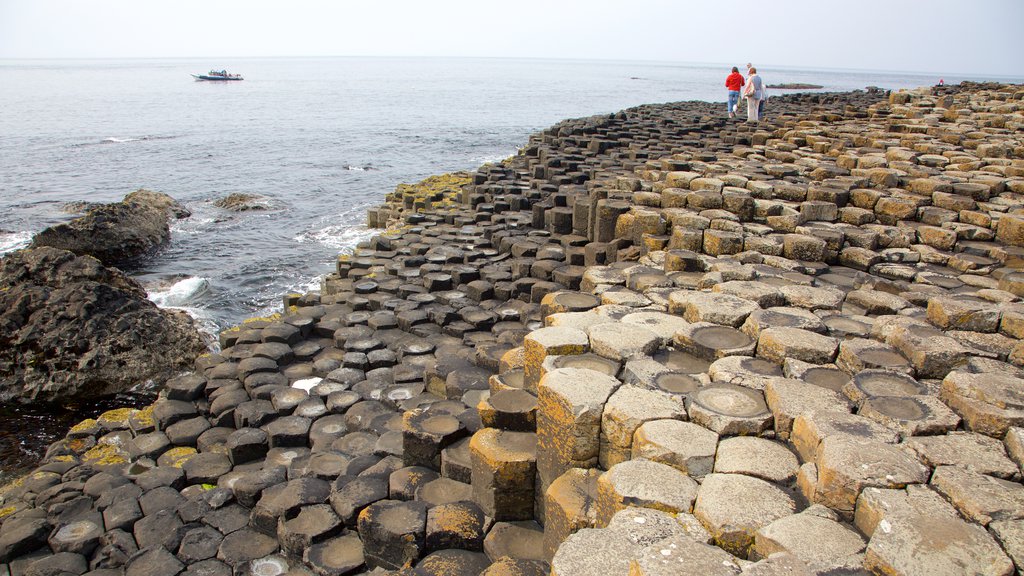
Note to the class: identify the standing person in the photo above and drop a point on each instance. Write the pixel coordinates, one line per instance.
(753, 92)
(734, 83)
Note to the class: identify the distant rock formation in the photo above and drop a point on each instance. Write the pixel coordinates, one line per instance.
(117, 233)
(795, 86)
(240, 202)
(73, 328)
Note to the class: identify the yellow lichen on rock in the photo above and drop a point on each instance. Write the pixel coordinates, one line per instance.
(117, 418)
(176, 457)
(105, 455)
(84, 426)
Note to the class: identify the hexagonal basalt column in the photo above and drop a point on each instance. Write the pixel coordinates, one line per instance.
(733, 507)
(626, 410)
(425, 433)
(711, 341)
(619, 341)
(728, 409)
(683, 445)
(847, 464)
(550, 341)
(504, 471)
(778, 344)
(570, 404)
(643, 484)
(509, 410)
(393, 533)
(569, 506)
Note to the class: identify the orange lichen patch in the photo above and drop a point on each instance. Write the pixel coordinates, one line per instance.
(514, 358)
(78, 445)
(457, 521)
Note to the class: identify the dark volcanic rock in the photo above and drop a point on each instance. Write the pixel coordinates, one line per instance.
(72, 328)
(240, 202)
(116, 233)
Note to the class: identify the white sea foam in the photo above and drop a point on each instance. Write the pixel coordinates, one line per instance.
(343, 237)
(181, 293)
(490, 158)
(113, 140)
(11, 241)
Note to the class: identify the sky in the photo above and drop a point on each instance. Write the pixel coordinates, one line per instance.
(979, 37)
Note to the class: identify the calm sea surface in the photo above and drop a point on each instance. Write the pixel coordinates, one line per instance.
(322, 139)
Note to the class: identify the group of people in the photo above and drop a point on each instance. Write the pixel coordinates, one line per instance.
(752, 88)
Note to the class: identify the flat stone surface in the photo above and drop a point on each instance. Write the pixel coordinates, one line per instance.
(979, 497)
(812, 537)
(744, 371)
(711, 341)
(810, 429)
(1010, 534)
(339, 556)
(683, 555)
(847, 464)
(392, 533)
(620, 341)
(643, 484)
(920, 540)
(733, 507)
(968, 450)
(989, 403)
(778, 344)
(686, 446)
(911, 416)
(522, 540)
(756, 457)
(712, 307)
(789, 398)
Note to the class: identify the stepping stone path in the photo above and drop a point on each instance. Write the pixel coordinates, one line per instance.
(653, 342)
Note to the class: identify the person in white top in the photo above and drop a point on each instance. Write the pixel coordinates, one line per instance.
(753, 92)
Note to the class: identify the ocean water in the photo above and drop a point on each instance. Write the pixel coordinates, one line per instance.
(321, 139)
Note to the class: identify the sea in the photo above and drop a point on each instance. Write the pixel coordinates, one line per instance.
(321, 140)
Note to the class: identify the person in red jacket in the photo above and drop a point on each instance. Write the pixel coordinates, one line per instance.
(734, 83)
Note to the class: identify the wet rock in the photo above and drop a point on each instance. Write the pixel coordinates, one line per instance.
(87, 330)
(117, 233)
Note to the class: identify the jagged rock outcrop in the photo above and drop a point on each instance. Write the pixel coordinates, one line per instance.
(73, 328)
(117, 233)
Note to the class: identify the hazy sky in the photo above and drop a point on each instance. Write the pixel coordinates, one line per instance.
(976, 37)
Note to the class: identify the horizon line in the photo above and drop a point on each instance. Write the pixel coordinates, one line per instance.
(542, 58)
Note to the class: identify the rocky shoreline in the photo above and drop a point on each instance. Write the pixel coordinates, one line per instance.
(654, 342)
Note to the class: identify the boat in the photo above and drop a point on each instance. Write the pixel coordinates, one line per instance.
(218, 75)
